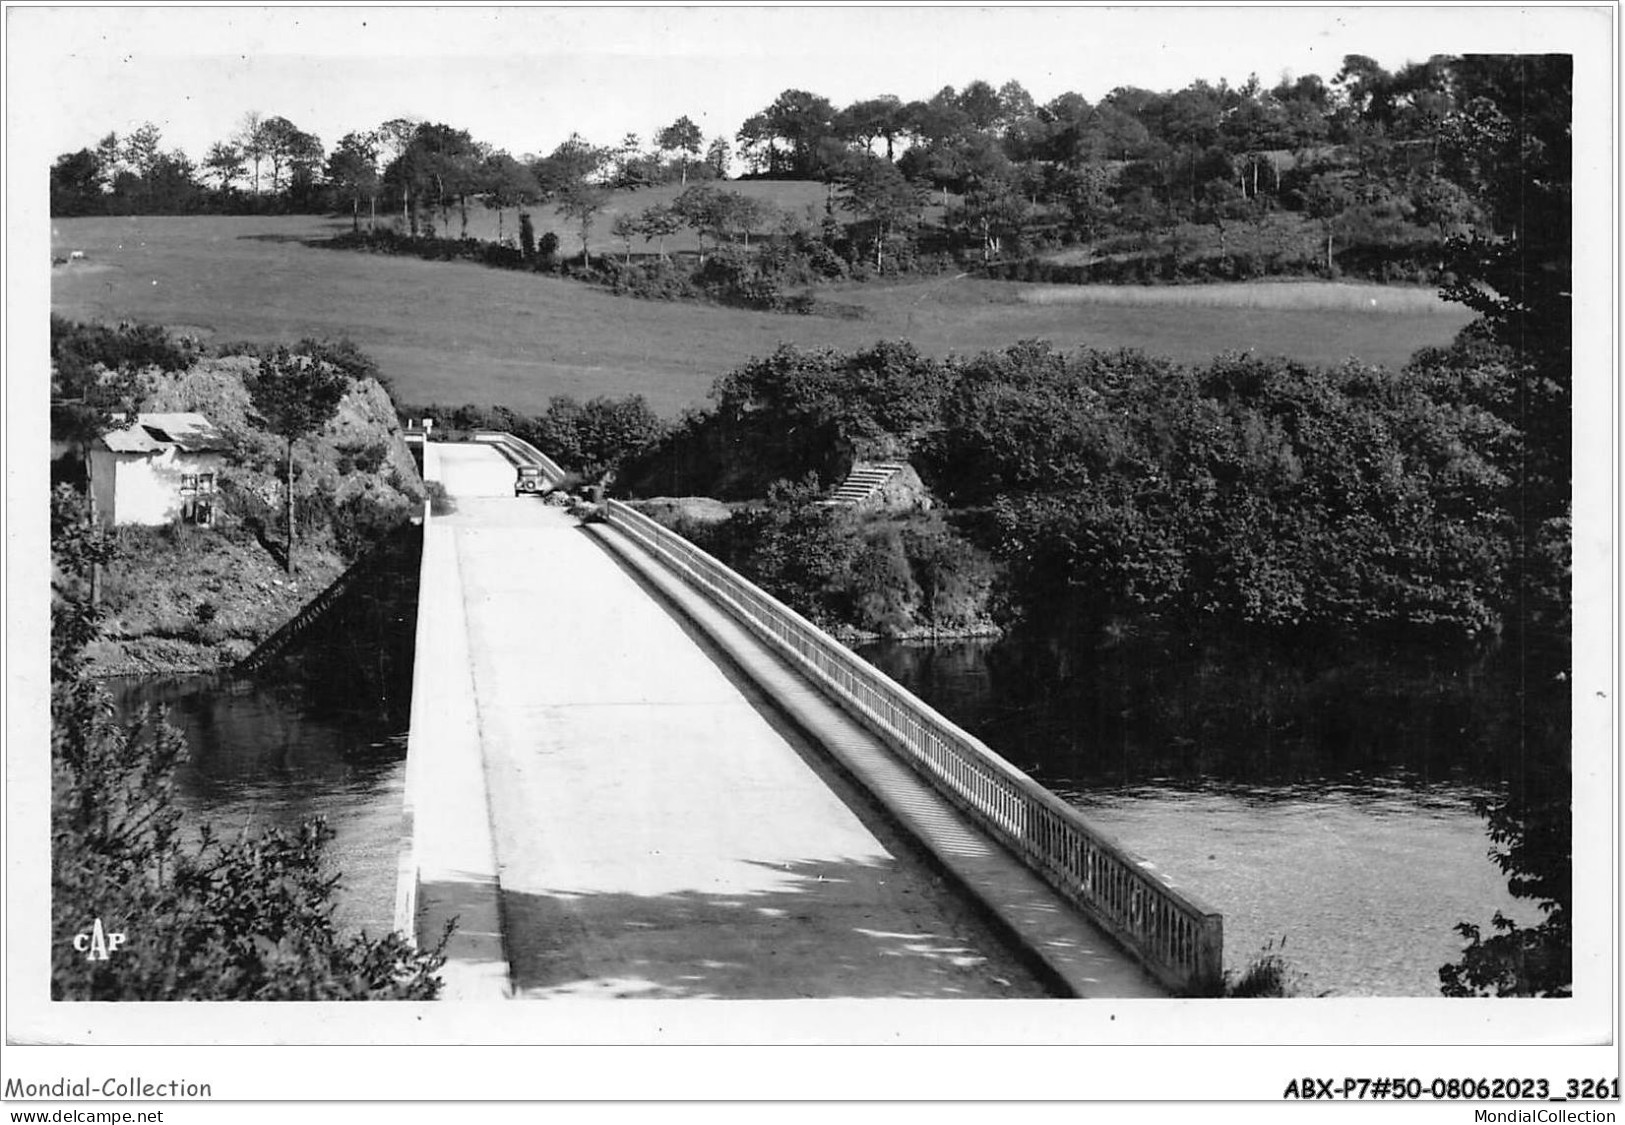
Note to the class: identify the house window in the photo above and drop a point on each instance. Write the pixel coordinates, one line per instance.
(197, 498)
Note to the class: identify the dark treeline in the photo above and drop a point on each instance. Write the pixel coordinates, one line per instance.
(1371, 173)
(1113, 486)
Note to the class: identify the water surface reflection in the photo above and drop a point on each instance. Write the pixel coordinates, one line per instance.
(267, 755)
(1325, 797)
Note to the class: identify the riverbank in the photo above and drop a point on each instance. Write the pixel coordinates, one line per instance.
(198, 600)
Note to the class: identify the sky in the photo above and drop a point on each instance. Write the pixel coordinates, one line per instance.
(523, 78)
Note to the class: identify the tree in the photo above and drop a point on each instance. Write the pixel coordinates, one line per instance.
(527, 236)
(508, 183)
(172, 186)
(717, 156)
(140, 153)
(253, 140)
(574, 161)
(439, 164)
(625, 228)
(658, 223)
(1510, 144)
(108, 151)
(224, 164)
(1445, 206)
(980, 103)
(631, 166)
(571, 174)
(736, 215)
(353, 171)
(76, 179)
(700, 208)
(993, 206)
(291, 151)
(878, 192)
(394, 138)
(1325, 199)
(1222, 204)
(800, 119)
(582, 202)
(684, 138)
(873, 119)
(1015, 105)
(1085, 192)
(296, 395)
(756, 145)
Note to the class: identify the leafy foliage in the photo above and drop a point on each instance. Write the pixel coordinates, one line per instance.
(296, 393)
(595, 439)
(1267, 975)
(243, 919)
(794, 548)
(1405, 173)
(1255, 491)
(249, 918)
(1510, 147)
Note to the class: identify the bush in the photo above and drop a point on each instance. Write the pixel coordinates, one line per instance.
(1267, 975)
(527, 236)
(547, 251)
(955, 579)
(880, 586)
(657, 279)
(244, 919)
(362, 522)
(76, 349)
(364, 457)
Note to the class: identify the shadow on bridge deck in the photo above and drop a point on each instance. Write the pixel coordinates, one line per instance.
(815, 929)
(1063, 950)
(673, 813)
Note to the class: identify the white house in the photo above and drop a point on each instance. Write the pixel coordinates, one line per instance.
(162, 469)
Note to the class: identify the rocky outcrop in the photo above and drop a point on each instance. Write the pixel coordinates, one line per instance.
(885, 486)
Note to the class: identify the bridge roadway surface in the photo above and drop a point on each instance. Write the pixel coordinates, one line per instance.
(660, 829)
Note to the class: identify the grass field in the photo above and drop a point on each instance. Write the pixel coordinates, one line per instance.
(1269, 296)
(459, 332)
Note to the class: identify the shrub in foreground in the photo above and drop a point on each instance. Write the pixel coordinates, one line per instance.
(249, 918)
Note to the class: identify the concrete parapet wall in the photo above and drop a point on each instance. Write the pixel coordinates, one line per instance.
(448, 868)
(1175, 935)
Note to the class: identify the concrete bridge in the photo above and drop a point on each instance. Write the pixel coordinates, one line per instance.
(631, 773)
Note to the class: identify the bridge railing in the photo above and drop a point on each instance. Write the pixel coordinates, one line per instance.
(522, 453)
(1177, 936)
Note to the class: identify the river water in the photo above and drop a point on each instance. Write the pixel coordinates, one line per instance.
(272, 755)
(1321, 801)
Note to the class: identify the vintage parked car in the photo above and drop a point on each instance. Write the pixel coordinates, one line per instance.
(530, 481)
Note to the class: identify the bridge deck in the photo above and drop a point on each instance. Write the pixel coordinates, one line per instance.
(661, 830)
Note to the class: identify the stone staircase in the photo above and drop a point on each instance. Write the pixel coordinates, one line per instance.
(865, 479)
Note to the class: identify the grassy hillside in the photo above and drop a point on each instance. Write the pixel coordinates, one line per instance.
(455, 332)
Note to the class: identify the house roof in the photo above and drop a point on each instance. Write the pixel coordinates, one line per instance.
(153, 433)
